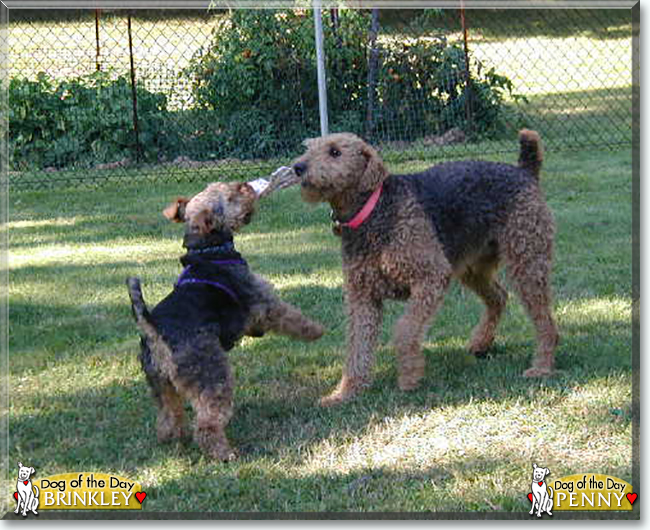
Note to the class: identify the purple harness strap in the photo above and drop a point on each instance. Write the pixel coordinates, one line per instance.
(224, 288)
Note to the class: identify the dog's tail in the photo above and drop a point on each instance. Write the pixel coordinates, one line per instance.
(140, 311)
(160, 350)
(531, 153)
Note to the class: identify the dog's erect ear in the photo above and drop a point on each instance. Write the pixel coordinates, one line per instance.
(20, 464)
(176, 210)
(534, 466)
(375, 172)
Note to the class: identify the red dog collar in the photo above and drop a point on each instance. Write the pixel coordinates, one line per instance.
(367, 209)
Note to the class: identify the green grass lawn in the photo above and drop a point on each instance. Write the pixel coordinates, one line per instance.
(464, 442)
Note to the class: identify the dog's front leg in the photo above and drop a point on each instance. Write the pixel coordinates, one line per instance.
(364, 322)
(540, 504)
(269, 313)
(411, 328)
(287, 320)
(25, 500)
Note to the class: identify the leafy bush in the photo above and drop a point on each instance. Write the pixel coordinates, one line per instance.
(83, 121)
(264, 63)
(255, 96)
(423, 89)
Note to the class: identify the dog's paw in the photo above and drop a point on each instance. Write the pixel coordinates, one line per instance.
(538, 371)
(230, 456)
(315, 332)
(336, 398)
(409, 379)
(482, 354)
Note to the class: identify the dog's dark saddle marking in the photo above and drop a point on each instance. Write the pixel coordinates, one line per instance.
(466, 201)
(211, 295)
(186, 277)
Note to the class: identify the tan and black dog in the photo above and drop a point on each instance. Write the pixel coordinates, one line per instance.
(406, 236)
(216, 300)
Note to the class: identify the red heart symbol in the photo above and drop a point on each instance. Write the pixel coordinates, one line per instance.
(540, 483)
(16, 495)
(530, 497)
(631, 497)
(140, 495)
(25, 482)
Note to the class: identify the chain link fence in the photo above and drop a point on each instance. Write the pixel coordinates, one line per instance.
(99, 96)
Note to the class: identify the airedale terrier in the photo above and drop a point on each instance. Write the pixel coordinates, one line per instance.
(215, 301)
(406, 236)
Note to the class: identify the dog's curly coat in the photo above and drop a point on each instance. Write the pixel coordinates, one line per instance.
(216, 301)
(454, 220)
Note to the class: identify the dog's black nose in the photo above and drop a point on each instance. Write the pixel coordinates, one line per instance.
(300, 168)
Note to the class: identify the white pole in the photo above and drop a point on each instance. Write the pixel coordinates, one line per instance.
(320, 63)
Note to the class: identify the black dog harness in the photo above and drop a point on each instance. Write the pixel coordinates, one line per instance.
(186, 277)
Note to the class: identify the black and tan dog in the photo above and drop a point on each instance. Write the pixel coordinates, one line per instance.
(216, 300)
(406, 236)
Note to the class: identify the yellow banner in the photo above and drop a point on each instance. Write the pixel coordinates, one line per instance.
(88, 491)
(591, 492)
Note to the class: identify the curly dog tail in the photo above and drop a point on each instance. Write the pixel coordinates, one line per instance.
(531, 153)
(160, 350)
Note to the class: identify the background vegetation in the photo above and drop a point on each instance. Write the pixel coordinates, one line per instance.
(227, 87)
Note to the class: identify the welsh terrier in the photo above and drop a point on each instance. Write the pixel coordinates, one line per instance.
(216, 300)
(405, 237)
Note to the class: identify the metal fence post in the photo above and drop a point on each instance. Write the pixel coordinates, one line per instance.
(134, 94)
(97, 49)
(320, 65)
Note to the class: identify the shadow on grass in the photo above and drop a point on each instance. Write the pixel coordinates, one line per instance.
(592, 23)
(112, 429)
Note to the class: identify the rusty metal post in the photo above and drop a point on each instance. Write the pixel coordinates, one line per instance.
(97, 53)
(134, 94)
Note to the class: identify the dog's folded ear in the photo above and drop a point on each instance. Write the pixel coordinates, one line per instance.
(176, 210)
(246, 189)
(375, 172)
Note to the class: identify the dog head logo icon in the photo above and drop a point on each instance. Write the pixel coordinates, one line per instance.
(542, 495)
(26, 493)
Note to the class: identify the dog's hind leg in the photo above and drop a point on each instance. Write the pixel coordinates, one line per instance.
(480, 278)
(214, 408)
(169, 424)
(528, 245)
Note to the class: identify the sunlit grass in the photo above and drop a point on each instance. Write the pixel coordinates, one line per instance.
(464, 441)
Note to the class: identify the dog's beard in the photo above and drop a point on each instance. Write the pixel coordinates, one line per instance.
(312, 194)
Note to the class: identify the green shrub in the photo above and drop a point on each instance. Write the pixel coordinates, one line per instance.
(264, 63)
(255, 96)
(83, 121)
